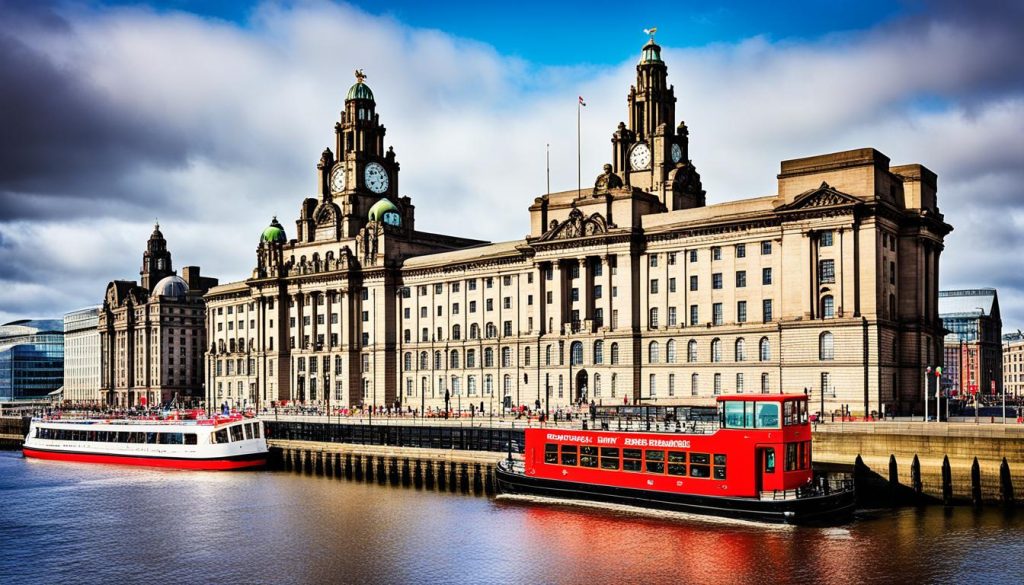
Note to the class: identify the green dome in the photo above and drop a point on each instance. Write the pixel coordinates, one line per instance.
(359, 91)
(651, 53)
(274, 233)
(380, 208)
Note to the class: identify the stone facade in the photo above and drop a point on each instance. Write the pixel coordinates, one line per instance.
(631, 291)
(152, 336)
(82, 356)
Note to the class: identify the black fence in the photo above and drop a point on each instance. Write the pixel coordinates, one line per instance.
(432, 437)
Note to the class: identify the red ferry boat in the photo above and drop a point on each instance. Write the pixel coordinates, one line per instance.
(749, 460)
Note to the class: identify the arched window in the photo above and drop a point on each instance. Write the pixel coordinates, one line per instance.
(576, 353)
(506, 357)
(437, 360)
(456, 332)
(488, 384)
(547, 355)
(653, 322)
(488, 358)
(474, 331)
(598, 352)
(653, 353)
(716, 350)
(507, 385)
(764, 350)
(765, 386)
(694, 384)
(456, 386)
(407, 361)
(490, 331)
(470, 358)
(826, 346)
(454, 359)
(615, 354)
(471, 385)
(597, 385)
(828, 308)
(670, 351)
(691, 351)
(741, 350)
(423, 360)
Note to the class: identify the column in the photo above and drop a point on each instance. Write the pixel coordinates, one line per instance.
(558, 300)
(607, 259)
(586, 302)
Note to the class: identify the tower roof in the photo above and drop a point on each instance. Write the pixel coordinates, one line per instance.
(274, 233)
(380, 208)
(359, 91)
(651, 52)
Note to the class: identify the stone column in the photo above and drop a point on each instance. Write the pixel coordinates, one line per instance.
(586, 300)
(607, 260)
(558, 300)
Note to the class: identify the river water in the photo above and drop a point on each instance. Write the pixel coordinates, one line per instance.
(85, 523)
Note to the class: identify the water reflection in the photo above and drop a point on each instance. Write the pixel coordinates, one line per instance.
(90, 523)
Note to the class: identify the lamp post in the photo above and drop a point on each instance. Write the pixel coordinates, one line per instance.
(927, 372)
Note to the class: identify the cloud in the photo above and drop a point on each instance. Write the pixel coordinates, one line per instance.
(114, 116)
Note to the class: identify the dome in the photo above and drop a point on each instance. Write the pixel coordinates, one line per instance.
(380, 208)
(170, 286)
(274, 233)
(651, 53)
(359, 91)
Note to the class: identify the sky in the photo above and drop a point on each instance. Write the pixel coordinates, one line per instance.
(211, 117)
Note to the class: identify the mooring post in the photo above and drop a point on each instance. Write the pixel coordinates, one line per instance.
(947, 482)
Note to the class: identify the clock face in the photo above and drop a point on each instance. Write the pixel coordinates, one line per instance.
(338, 179)
(392, 218)
(677, 153)
(640, 157)
(376, 178)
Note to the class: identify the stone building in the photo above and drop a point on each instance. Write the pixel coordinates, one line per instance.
(972, 345)
(152, 334)
(82, 356)
(631, 291)
(1013, 365)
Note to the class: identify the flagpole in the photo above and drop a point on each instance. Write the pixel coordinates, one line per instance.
(579, 155)
(547, 152)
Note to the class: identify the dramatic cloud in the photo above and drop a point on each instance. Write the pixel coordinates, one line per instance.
(115, 116)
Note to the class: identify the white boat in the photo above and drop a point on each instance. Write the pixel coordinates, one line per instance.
(228, 442)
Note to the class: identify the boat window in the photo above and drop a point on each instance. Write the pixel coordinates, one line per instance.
(700, 471)
(256, 429)
(769, 460)
(171, 439)
(719, 472)
(719, 459)
(631, 460)
(220, 436)
(677, 457)
(655, 462)
(236, 433)
(190, 438)
(791, 462)
(122, 437)
(788, 413)
(802, 404)
(676, 463)
(588, 456)
(700, 458)
(151, 438)
(767, 415)
(609, 458)
(569, 454)
(551, 453)
(248, 430)
(734, 415)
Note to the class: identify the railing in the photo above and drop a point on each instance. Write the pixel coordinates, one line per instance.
(431, 437)
(821, 486)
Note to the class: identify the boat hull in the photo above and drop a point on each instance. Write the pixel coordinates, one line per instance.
(246, 461)
(831, 509)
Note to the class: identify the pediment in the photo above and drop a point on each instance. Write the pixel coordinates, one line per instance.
(576, 226)
(821, 197)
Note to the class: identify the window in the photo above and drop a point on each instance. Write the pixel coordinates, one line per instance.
(574, 271)
(766, 276)
(437, 360)
(472, 306)
(716, 253)
(691, 351)
(423, 360)
(826, 239)
(550, 298)
(826, 349)
(671, 258)
(694, 314)
(672, 285)
(470, 358)
(670, 351)
(598, 269)
(506, 357)
(599, 352)
(766, 310)
(438, 289)
(474, 331)
(741, 250)
(764, 350)
(456, 332)
(716, 280)
(653, 287)
(615, 355)
(488, 358)
(407, 361)
(671, 316)
(671, 384)
(547, 355)
(718, 383)
(654, 260)
(741, 311)
(507, 328)
(506, 280)
(598, 291)
(739, 383)
(694, 384)
(826, 271)
(526, 356)
(693, 255)
(693, 283)
(826, 385)
(455, 308)
(598, 317)
(892, 272)
(716, 350)
(423, 312)
(597, 385)
(765, 385)
(653, 321)
(827, 307)
(716, 313)
(741, 278)
(574, 294)
(766, 248)
(741, 350)
(653, 384)
(489, 305)
(653, 351)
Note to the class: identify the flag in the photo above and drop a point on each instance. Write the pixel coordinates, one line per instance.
(583, 103)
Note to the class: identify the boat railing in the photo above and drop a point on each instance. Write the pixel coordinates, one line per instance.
(633, 424)
(820, 486)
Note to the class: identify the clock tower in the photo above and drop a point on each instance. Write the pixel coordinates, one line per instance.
(651, 153)
(357, 175)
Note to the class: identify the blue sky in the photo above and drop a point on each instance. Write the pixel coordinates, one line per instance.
(116, 113)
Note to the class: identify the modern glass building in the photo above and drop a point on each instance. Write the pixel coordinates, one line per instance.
(31, 359)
